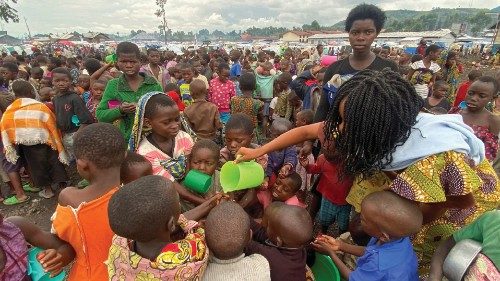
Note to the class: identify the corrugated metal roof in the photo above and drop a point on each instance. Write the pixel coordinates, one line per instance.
(426, 34)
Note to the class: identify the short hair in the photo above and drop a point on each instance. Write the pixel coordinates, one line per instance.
(308, 115)
(155, 102)
(206, 144)
(247, 82)
(197, 88)
(282, 124)
(140, 210)
(293, 224)
(23, 89)
(101, 144)
(474, 74)
(240, 121)
(432, 49)
(416, 57)
(36, 70)
(91, 65)
(127, 48)
(394, 215)
(151, 50)
(440, 83)
(489, 79)
(56, 61)
(100, 81)
(172, 87)
(285, 77)
(132, 159)
(186, 65)
(363, 12)
(222, 66)
(227, 230)
(296, 181)
(62, 70)
(10, 66)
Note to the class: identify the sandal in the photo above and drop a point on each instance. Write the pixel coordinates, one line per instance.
(27, 187)
(14, 201)
(44, 194)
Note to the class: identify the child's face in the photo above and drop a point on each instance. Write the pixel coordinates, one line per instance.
(198, 67)
(177, 74)
(46, 82)
(97, 90)
(46, 94)
(84, 82)
(61, 82)
(154, 57)
(479, 94)
(283, 189)
(7, 74)
(435, 55)
(37, 75)
(204, 160)
(276, 132)
(236, 139)
(129, 64)
(165, 122)
(224, 74)
(187, 75)
(440, 91)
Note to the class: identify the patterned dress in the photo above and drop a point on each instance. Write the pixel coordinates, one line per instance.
(489, 139)
(250, 107)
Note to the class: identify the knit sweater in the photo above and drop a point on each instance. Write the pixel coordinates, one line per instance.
(253, 267)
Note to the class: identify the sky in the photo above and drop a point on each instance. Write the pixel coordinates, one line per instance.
(113, 16)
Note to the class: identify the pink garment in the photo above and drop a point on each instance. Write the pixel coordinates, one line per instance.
(294, 201)
(220, 93)
(306, 178)
(15, 248)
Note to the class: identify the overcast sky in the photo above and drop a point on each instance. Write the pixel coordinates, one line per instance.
(112, 16)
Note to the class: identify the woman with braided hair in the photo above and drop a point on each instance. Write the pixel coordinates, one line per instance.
(377, 130)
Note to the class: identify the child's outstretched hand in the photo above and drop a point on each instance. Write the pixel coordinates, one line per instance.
(285, 170)
(51, 261)
(326, 244)
(217, 198)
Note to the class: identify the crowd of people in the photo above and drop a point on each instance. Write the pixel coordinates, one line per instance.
(383, 164)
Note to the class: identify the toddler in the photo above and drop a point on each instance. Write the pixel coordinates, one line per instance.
(438, 96)
(96, 91)
(83, 86)
(145, 214)
(304, 118)
(228, 233)
(221, 91)
(187, 71)
(390, 220)
(202, 116)
(134, 166)
(285, 232)
(280, 107)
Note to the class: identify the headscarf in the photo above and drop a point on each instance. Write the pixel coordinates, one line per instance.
(139, 131)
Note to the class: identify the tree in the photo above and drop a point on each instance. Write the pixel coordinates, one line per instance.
(7, 13)
(160, 12)
(315, 25)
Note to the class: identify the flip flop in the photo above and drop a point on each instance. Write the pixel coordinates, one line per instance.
(27, 187)
(14, 201)
(43, 194)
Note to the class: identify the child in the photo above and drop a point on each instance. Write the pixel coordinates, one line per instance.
(174, 93)
(98, 87)
(47, 94)
(285, 190)
(423, 72)
(304, 118)
(390, 220)
(81, 213)
(67, 105)
(127, 89)
(134, 166)
(280, 107)
(154, 67)
(228, 233)
(221, 91)
(36, 77)
(281, 239)
(438, 96)
(83, 86)
(484, 230)
(246, 104)
(188, 72)
(145, 214)
(265, 87)
(485, 124)
(202, 116)
(239, 133)
(157, 137)
(197, 74)
(280, 162)
(29, 130)
(308, 86)
(334, 190)
(235, 71)
(464, 87)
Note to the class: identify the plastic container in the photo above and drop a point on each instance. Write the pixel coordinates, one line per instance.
(111, 58)
(35, 269)
(462, 105)
(460, 258)
(327, 60)
(113, 104)
(324, 269)
(75, 120)
(244, 175)
(197, 181)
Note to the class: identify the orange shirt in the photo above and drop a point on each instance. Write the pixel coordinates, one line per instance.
(87, 230)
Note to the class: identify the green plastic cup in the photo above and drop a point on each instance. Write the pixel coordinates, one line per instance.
(197, 181)
(244, 175)
(110, 58)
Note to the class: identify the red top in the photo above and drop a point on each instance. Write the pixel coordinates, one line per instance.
(329, 184)
(461, 93)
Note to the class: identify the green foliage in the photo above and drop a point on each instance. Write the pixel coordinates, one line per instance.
(7, 12)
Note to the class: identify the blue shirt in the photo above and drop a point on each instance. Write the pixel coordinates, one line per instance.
(235, 70)
(394, 260)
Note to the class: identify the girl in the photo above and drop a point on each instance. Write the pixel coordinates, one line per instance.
(437, 99)
(95, 98)
(451, 74)
(239, 133)
(156, 135)
(423, 72)
(434, 161)
(485, 124)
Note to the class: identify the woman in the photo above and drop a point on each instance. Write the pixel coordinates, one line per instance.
(451, 74)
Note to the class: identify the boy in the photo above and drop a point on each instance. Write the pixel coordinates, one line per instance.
(227, 234)
(153, 68)
(281, 162)
(235, 71)
(280, 107)
(464, 87)
(285, 190)
(187, 72)
(134, 166)
(221, 91)
(128, 88)
(390, 220)
(202, 116)
(304, 117)
(438, 96)
(99, 150)
(83, 86)
(281, 239)
(265, 88)
(197, 74)
(36, 77)
(70, 109)
(29, 129)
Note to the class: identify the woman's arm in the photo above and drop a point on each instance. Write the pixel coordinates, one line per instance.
(292, 137)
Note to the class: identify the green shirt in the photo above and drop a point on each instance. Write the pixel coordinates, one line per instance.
(485, 230)
(119, 89)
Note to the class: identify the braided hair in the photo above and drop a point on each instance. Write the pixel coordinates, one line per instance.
(380, 110)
